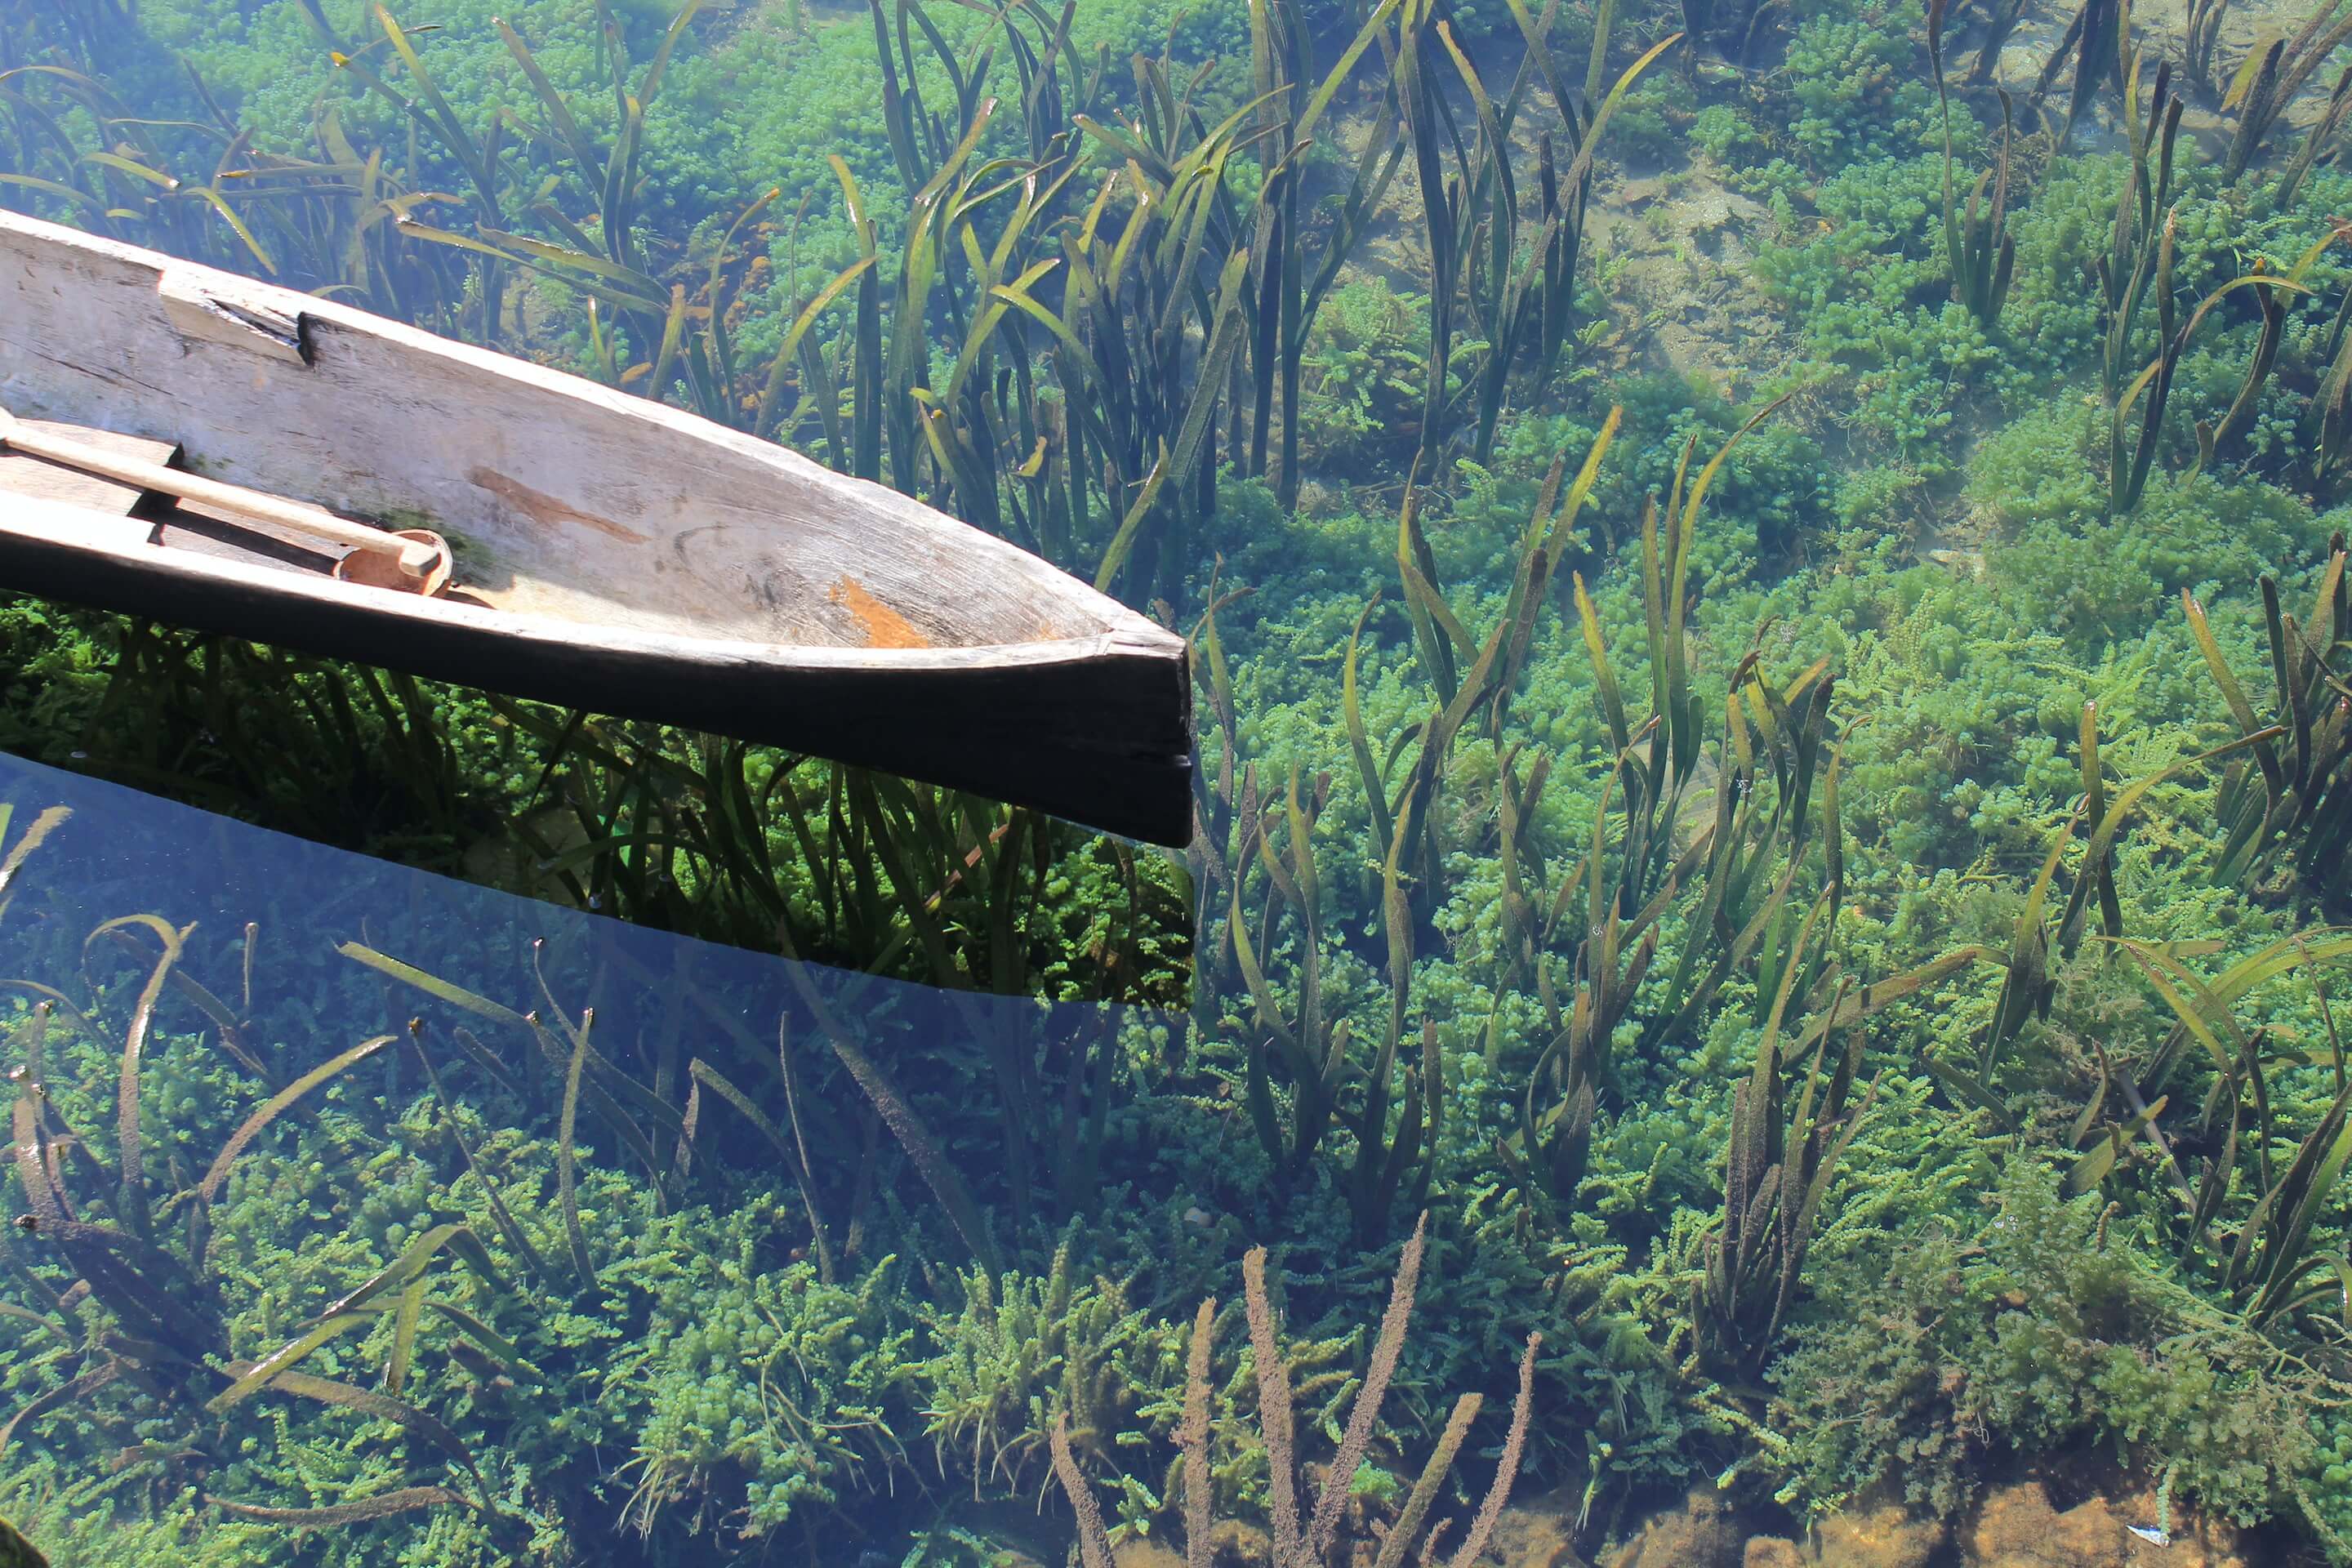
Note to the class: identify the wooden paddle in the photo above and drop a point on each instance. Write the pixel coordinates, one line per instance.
(419, 559)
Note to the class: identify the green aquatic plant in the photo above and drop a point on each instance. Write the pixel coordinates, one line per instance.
(2200, 39)
(1524, 930)
(2029, 986)
(690, 833)
(328, 752)
(1311, 1047)
(324, 221)
(1032, 1132)
(2329, 417)
(1983, 255)
(1518, 306)
(1104, 437)
(146, 1333)
(2273, 74)
(1656, 765)
(1781, 1166)
(1028, 1357)
(717, 837)
(139, 1314)
(652, 340)
(2099, 37)
(2320, 135)
(2271, 1269)
(770, 1405)
(2131, 457)
(481, 166)
(661, 336)
(2300, 814)
(2139, 256)
(1473, 682)
(1292, 291)
(2038, 1330)
(1855, 92)
(1730, 879)
(1360, 387)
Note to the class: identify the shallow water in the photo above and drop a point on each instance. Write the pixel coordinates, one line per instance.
(1749, 1008)
(283, 956)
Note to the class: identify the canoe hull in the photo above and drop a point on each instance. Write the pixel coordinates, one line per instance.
(1080, 729)
(613, 554)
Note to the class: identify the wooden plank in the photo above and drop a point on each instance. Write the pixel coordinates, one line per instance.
(32, 477)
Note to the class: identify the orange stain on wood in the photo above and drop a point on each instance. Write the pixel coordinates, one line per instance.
(884, 627)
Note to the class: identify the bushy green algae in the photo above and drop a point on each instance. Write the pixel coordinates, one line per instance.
(2041, 1332)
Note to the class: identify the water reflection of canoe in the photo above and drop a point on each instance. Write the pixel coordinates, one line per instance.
(598, 551)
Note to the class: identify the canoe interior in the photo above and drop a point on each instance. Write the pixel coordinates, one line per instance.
(562, 497)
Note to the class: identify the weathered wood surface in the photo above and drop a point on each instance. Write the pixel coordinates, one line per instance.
(613, 552)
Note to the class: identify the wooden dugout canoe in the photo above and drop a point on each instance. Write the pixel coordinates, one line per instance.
(609, 554)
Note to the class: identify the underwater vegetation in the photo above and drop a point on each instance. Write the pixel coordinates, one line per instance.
(1769, 899)
(686, 833)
